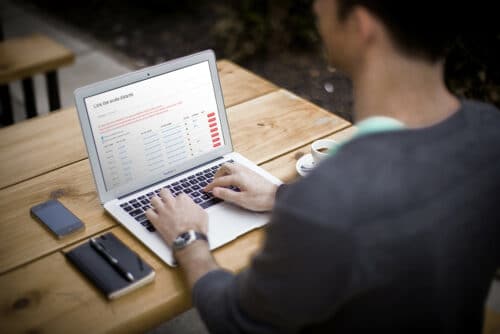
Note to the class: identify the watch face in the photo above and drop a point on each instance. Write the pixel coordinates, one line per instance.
(187, 238)
(181, 240)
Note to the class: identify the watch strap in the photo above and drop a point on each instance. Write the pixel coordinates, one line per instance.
(186, 238)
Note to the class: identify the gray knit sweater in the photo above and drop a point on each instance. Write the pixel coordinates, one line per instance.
(399, 231)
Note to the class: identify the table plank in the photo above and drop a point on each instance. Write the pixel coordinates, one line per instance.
(240, 85)
(491, 321)
(279, 133)
(25, 148)
(50, 298)
(25, 56)
(66, 302)
(277, 123)
(284, 166)
(23, 238)
(38, 145)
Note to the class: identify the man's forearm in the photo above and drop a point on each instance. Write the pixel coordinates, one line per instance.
(196, 260)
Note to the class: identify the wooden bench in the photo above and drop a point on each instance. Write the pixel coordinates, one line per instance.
(23, 57)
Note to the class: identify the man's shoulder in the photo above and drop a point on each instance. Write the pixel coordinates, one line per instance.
(483, 118)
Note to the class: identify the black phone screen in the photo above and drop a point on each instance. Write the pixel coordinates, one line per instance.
(57, 217)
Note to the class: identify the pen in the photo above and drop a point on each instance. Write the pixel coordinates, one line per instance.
(112, 260)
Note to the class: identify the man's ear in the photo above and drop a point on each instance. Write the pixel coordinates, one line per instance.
(365, 24)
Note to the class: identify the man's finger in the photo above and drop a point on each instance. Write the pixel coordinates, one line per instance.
(226, 169)
(166, 197)
(151, 215)
(227, 194)
(184, 197)
(222, 181)
(157, 204)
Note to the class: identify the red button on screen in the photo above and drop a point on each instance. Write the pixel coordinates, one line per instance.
(213, 129)
(211, 114)
(216, 144)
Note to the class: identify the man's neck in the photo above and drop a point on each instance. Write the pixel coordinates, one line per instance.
(408, 90)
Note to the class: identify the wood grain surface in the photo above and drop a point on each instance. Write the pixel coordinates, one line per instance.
(26, 56)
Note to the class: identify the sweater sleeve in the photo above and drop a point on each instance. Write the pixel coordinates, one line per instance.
(301, 275)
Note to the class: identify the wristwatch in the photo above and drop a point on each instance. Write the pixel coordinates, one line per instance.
(187, 238)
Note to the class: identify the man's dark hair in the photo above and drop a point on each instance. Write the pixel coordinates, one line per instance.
(424, 29)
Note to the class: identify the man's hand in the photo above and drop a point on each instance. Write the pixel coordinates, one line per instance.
(175, 215)
(256, 193)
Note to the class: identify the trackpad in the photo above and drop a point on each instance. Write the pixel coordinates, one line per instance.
(227, 222)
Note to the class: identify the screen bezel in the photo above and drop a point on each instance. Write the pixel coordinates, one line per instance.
(81, 94)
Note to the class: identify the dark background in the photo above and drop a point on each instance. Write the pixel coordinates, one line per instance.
(274, 38)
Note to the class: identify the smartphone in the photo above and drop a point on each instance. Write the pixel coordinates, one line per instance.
(57, 218)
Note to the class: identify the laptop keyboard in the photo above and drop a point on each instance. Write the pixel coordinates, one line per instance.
(191, 185)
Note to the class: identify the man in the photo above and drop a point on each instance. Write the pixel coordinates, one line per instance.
(399, 230)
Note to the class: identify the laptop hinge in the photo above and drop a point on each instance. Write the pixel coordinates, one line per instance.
(170, 177)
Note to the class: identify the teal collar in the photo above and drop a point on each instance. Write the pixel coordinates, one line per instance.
(370, 125)
(377, 124)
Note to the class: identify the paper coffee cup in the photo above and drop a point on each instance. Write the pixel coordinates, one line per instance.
(320, 149)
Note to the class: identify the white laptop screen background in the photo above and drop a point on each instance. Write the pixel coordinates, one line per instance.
(143, 130)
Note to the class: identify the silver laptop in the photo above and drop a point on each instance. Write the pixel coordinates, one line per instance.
(162, 127)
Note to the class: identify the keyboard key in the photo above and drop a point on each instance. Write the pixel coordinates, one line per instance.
(141, 197)
(136, 205)
(191, 177)
(195, 187)
(184, 180)
(151, 228)
(175, 184)
(186, 185)
(205, 196)
(177, 188)
(197, 200)
(199, 173)
(135, 212)
(210, 202)
(201, 178)
(187, 191)
(195, 194)
(203, 184)
(133, 201)
(127, 208)
(140, 217)
(124, 204)
(215, 167)
(145, 201)
(177, 193)
(150, 194)
(194, 181)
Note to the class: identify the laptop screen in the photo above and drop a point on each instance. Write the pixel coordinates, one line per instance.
(144, 129)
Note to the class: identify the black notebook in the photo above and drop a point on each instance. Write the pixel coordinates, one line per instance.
(98, 269)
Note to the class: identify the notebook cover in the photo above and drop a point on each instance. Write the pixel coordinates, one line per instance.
(102, 274)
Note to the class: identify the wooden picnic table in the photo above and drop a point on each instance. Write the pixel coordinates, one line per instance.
(45, 158)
